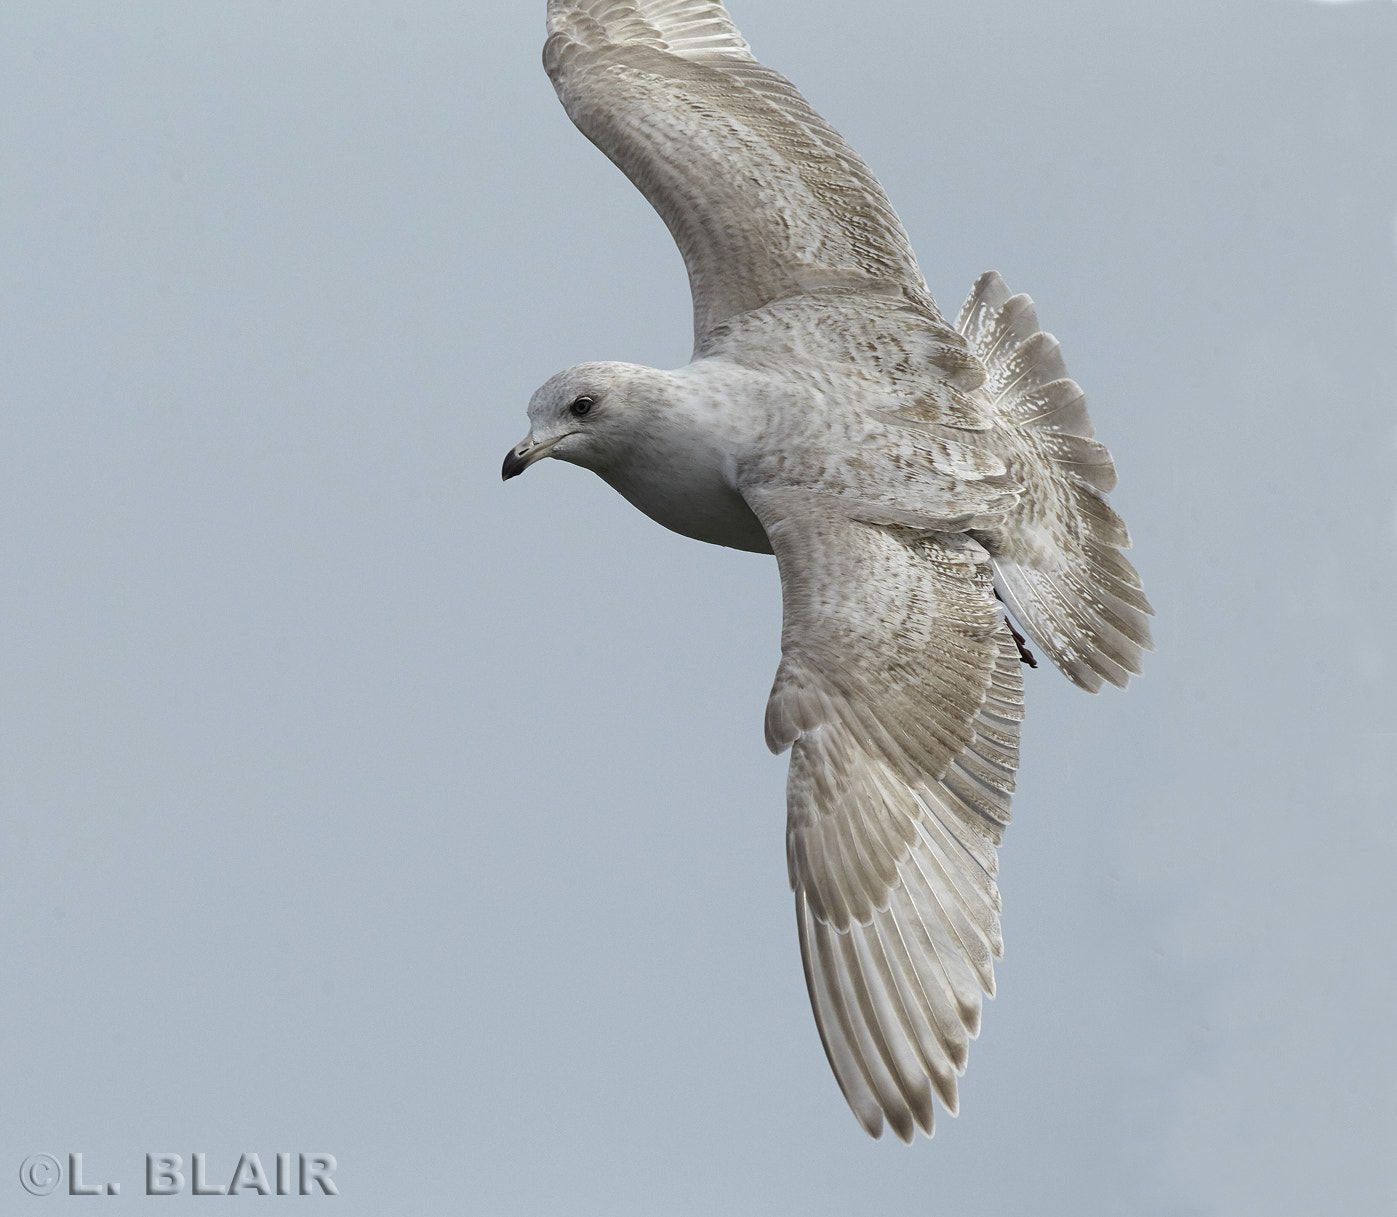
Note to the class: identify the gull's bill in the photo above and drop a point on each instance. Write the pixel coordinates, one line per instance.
(522, 455)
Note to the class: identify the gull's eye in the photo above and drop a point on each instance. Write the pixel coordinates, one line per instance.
(581, 406)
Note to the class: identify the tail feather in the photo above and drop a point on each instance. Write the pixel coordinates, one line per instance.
(1058, 565)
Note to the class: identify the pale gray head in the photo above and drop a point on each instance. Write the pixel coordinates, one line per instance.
(592, 415)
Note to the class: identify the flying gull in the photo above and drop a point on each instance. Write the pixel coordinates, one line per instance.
(913, 480)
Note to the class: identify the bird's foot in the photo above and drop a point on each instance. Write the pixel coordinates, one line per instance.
(1025, 655)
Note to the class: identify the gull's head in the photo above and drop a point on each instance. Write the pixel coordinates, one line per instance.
(590, 415)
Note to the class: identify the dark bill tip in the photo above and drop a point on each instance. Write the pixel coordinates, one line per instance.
(514, 463)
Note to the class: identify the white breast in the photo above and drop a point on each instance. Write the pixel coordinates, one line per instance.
(682, 471)
(695, 498)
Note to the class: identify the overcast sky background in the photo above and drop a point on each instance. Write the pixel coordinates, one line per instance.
(355, 802)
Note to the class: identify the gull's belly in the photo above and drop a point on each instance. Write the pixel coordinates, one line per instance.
(695, 498)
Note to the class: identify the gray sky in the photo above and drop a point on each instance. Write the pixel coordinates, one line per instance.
(354, 802)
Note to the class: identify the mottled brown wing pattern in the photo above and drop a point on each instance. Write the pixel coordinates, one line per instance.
(764, 199)
(900, 696)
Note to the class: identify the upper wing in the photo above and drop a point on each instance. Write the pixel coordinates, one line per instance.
(900, 696)
(762, 196)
